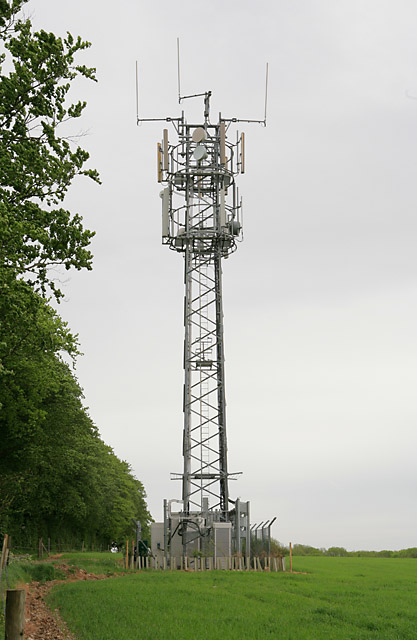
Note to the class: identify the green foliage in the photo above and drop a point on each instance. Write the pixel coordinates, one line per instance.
(58, 479)
(62, 481)
(336, 551)
(278, 549)
(337, 598)
(306, 550)
(23, 569)
(44, 572)
(37, 165)
(97, 563)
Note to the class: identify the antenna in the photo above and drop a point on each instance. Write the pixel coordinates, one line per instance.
(137, 93)
(139, 120)
(206, 94)
(266, 100)
(266, 92)
(178, 70)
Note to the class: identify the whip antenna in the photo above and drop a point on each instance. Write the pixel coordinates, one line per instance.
(137, 94)
(178, 70)
(266, 91)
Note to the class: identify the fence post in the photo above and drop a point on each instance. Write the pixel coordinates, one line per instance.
(290, 557)
(3, 553)
(15, 614)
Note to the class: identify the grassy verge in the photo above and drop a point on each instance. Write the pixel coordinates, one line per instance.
(26, 570)
(338, 598)
(98, 563)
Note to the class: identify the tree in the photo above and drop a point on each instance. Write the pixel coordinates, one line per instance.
(336, 551)
(37, 165)
(57, 477)
(32, 339)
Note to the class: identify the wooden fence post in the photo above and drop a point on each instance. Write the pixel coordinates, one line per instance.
(3, 553)
(15, 614)
(290, 557)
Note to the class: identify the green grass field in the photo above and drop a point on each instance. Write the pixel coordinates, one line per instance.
(345, 598)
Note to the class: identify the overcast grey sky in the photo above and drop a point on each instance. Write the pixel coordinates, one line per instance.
(320, 300)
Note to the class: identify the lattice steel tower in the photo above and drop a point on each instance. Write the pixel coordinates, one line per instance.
(202, 219)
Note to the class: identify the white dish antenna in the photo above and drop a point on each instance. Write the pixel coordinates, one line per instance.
(199, 135)
(200, 152)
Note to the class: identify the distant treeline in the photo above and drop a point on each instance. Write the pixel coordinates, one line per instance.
(306, 550)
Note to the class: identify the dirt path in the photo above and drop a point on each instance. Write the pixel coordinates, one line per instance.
(40, 622)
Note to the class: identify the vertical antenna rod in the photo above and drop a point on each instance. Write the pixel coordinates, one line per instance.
(178, 70)
(137, 93)
(266, 92)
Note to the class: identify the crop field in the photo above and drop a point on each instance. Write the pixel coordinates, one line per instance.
(335, 598)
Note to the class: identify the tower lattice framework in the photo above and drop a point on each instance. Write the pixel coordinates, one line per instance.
(202, 219)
